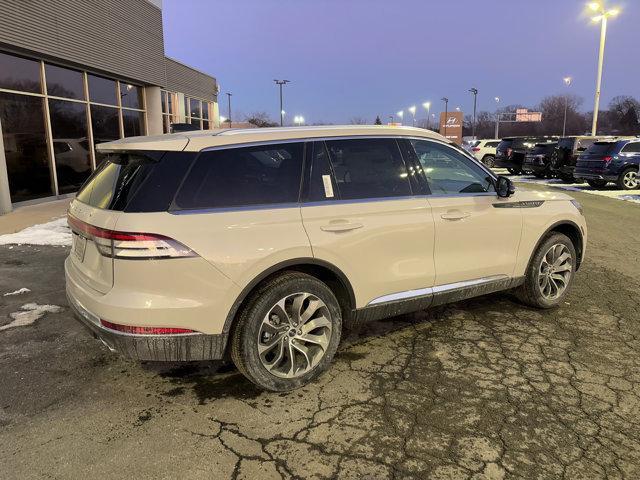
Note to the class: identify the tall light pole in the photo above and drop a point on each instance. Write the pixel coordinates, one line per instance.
(280, 83)
(229, 104)
(497, 99)
(446, 113)
(567, 82)
(401, 115)
(474, 91)
(603, 15)
(412, 109)
(427, 107)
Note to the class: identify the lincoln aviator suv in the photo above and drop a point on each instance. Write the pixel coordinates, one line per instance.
(261, 245)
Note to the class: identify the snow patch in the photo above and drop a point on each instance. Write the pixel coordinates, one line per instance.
(55, 232)
(31, 312)
(18, 292)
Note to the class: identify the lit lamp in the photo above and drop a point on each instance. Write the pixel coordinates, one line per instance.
(427, 107)
(401, 115)
(567, 82)
(412, 109)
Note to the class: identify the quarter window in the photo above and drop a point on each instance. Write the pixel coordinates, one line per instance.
(246, 176)
(449, 172)
(368, 168)
(631, 148)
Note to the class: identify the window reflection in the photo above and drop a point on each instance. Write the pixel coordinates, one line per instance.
(63, 82)
(70, 144)
(104, 123)
(130, 95)
(102, 90)
(17, 73)
(133, 123)
(25, 145)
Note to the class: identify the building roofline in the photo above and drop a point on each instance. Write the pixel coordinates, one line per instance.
(190, 67)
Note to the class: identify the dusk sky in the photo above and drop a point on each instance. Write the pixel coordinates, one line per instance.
(362, 58)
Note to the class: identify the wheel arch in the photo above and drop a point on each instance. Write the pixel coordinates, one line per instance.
(331, 275)
(568, 228)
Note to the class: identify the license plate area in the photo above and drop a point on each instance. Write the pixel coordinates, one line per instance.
(79, 246)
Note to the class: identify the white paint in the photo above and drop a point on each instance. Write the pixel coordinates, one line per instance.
(18, 292)
(56, 232)
(31, 312)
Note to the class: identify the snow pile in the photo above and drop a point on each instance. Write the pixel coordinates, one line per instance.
(631, 198)
(17, 292)
(55, 232)
(31, 312)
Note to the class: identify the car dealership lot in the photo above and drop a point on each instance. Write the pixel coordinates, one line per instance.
(484, 388)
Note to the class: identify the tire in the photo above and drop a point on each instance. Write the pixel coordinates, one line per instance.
(261, 320)
(597, 183)
(540, 174)
(629, 180)
(531, 292)
(489, 161)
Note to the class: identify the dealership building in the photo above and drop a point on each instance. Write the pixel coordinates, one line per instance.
(77, 73)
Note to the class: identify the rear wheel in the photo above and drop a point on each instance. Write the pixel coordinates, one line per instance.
(489, 161)
(629, 180)
(288, 332)
(514, 170)
(550, 272)
(597, 183)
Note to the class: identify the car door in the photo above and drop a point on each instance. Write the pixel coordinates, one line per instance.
(477, 233)
(363, 215)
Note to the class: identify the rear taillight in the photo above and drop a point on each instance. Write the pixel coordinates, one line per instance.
(130, 245)
(475, 149)
(607, 159)
(146, 330)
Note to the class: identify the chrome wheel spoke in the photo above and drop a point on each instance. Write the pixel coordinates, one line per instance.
(555, 271)
(321, 340)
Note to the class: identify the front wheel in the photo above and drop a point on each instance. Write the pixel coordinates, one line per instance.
(629, 180)
(287, 333)
(550, 272)
(489, 161)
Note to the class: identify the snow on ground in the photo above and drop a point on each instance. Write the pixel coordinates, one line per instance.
(29, 314)
(17, 292)
(55, 232)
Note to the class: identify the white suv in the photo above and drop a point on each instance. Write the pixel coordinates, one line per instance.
(485, 151)
(259, 245)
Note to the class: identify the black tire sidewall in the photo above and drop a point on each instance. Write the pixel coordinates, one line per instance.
(489, 161)
(249, 322)
(620, 181)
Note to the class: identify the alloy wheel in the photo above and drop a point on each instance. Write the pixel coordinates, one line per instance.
(555, 271)
(630, 180)
(294, 335)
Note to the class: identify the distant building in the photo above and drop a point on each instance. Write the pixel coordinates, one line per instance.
(77, 73)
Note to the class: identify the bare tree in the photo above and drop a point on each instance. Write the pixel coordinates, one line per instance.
(260, 119)
(358, 121)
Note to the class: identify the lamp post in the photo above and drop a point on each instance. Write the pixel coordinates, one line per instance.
(497, 99)
(298, 120)
(446, 113)
(602, 16)
(427, 107)
(229, 104)
(474, 91)
(280, 83)
(401, 115)
(567, 82)
(412, 109)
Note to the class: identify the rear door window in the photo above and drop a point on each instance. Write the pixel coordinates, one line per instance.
(633, 147)
(236, 177)
(368, 168)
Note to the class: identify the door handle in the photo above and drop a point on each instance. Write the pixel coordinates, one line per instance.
(341, 226)
(457, 215)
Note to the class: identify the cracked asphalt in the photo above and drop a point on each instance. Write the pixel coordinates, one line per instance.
(482, 389)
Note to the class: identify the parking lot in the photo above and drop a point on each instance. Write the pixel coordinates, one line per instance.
(485, 388)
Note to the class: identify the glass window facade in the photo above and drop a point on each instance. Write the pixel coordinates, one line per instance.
(49, 133)
(197, 112)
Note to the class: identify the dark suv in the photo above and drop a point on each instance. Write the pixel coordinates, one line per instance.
(511, 151)
(566, 155)
(538, 161)
(614, 161)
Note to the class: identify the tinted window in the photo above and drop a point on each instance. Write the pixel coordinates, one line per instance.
(566, 143)
(104, 123)
(371, 168)
(321, 184)
(234, 177)
(631, 147)
(17, 73)
(102, 90)
(195, 107)
(601, 148)
(504, 144)
(63, 82)
(449, 172)
(133, 123)
(130, 95)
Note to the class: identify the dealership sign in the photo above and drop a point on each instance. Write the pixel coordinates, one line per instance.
(451, 126)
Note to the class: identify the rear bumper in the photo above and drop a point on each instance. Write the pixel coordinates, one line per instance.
(160, 348)
(595, 176)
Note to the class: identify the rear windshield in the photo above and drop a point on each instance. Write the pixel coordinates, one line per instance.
(601, 148)
(504, 144)
(135, 181)
(543, 148)
(566, 143)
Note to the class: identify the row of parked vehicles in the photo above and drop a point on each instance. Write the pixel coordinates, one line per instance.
(597, 160)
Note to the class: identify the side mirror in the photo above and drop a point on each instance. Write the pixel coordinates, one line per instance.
(504, 187)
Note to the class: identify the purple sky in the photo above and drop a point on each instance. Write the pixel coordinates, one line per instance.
(349, 58)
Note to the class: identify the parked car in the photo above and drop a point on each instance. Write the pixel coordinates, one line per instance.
(485, 151)
(261, 244)
(538, 161)
(511, 151)
(567, 153)
(611, 161)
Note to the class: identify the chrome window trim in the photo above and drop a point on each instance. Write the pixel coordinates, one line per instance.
(408, 294)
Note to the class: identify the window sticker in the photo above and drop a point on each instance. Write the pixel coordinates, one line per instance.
(328, 187)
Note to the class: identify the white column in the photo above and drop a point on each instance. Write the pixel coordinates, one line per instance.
(153, 98)
(5, 195)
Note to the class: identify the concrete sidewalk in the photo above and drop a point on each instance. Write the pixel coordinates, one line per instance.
(23, 217)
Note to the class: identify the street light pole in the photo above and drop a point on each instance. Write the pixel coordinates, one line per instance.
(602, 17)
(474, 91)
(446, 113)
(229, 104)
(401, 115)
(427, 106)
(497, 99)
(412, 109)
(567, 82)
(280, 83)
